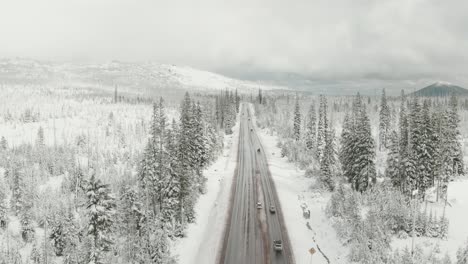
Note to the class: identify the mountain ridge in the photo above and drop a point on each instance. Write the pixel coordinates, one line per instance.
(441, 88)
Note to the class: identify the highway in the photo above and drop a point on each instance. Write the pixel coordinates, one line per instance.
(249, 232)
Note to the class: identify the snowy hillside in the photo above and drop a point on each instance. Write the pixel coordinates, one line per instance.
(135, 76)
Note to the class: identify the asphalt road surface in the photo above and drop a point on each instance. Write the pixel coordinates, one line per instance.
(249, 234)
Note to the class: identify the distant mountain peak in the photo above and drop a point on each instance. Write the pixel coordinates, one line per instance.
(441, 88)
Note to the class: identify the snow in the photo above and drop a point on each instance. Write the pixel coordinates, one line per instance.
(53, 184)
(203, 239)
(296, 196)
(456, 212)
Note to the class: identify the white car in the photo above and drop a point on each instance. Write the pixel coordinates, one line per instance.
(259, 205)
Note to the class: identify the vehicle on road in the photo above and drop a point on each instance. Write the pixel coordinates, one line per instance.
(272, 209)
(277, 245)
(251, 129)
(258, 150)
(259, 205)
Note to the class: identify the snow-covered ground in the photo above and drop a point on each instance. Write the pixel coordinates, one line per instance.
(456, 212)
(296, 197)
(203, 239)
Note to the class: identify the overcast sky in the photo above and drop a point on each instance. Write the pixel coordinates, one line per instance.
(388, 40)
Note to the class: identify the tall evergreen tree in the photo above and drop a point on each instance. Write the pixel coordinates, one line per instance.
(3, 143)
(311, 128)
(100, 207)
(40, 137)
(326, 175)
(384, 121)
(297, 121)
(393, 160)
(365, 153)
(404, 142)
(186, 159)
(322, 127)
(358, 149)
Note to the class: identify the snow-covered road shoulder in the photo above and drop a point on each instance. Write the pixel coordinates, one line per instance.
(204, 237)
(296, 197)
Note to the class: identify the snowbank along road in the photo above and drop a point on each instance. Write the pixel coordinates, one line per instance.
(251, 230)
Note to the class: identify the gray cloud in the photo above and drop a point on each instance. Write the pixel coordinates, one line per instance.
(402, 40)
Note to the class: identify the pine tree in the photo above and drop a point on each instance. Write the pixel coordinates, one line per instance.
(153, 170)
(63, 233)
(404, 143)
(311, 129)
(198, 143)
(384, 121)
(186, 159)
(100, 207)
(347, 144)
(18, 190)
(3, 208)
(393, 160)
(40, 137)
(414, 148)
(357, 154)
(327, 161)
(26, 219)
(365, 153)
(322, 127)
(427, 150)
(297, 121)
(260, 96)
(3, 143)
(237, 102)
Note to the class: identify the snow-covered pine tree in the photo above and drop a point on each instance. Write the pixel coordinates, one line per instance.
(186, 158)
(152, 173)
(322, 127)
(363, 164)
(455, 145)
(404, 143)
(173, 188)
(259, 98)
(100, 207)
(18, 189)
(393, 160)
(40, 137)
(462, 254)
(3, 143)
(328, 159)
(357, 152)
(200, 158)
(63, 233)
(346, 151)
(411, 159)
(384, 121)
(26, 220)
(237, 98)
(311, 128)
(297, 121)
(427, 150)
(130, 215)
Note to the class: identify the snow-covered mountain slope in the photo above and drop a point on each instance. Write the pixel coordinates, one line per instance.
(139, 76)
